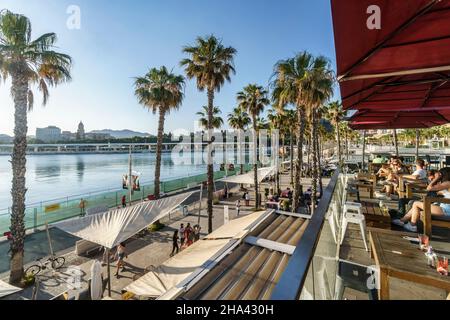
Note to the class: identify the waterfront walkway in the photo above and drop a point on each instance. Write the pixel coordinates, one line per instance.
(150, 250)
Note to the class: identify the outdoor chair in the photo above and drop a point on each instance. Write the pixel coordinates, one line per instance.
(353, 214)
(429, 220)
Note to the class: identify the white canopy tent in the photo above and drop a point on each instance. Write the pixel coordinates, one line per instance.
(199, 255)
(248, 178)
(6, 289)
(111, 228)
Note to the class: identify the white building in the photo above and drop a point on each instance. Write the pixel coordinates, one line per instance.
(49, 134)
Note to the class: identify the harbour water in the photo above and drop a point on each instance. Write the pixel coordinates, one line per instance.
(55, 176)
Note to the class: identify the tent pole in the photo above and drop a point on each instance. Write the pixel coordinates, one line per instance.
(109, 274)
(130, 177)
(52, 254)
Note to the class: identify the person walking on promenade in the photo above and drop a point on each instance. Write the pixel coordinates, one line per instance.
(238, 207)
(247, 199)
(175, 243)
(82, 206)
(188, 235)
(181, 232)
(120, 255)
(124, 201)
(197, 229)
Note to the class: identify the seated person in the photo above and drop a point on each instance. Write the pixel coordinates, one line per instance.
(440, 184)
(384, 171)
(420, 174)
(379, 160)
(402, 203)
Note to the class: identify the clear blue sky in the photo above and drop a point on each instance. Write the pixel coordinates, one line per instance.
(120, 39)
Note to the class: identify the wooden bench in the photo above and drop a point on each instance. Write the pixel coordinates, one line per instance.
(428, 220)
(375, 216)
(84, 247)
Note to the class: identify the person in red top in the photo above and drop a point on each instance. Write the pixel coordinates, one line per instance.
(187, 235)
(124, 201)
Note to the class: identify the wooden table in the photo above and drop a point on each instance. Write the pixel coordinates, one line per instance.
(404, 273)
(375, 216)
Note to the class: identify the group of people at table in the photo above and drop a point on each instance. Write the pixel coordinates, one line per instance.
(436, 183)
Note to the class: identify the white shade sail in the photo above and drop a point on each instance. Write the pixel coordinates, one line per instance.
(111, 228)
(249, 178)
(178, 268)
(6, 289)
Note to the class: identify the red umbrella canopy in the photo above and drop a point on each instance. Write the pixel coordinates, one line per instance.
(399, 119)
(393, 54)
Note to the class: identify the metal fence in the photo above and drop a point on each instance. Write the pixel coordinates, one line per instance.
(38, 214)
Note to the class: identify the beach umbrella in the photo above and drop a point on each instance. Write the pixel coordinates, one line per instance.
(96, 281)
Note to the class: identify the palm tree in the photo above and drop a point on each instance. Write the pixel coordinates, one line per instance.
(160, 91)
(288, 88)
(253, 99)
(239, 120)
(211, 64)
(319, 89)
(217, 121)
(335, 114)
(28, 62)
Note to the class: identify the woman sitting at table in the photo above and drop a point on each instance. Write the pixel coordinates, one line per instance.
(441, 185)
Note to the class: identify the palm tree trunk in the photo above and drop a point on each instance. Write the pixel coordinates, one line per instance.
(210, 173)
(299, 163)
(338, 141)
(395, 141)
(314, 163)
(417, 143)
(319, 165)
(291, 154)
(18, 191)
(159, 153)
(256, 159)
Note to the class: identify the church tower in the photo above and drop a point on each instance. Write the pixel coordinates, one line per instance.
(81, 135)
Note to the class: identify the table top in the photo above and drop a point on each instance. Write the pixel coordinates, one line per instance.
(402, 258)
(371, 208)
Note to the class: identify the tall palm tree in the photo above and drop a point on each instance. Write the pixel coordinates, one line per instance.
(211, 64)
(217, 121)
(254, 99)
(239, 120)
(319, 89)
(28, 62)
(289, 88)
(335, 114)
(160, 91)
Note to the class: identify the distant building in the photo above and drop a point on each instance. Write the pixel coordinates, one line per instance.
(49, 134)
(98, 136)
(68, 136)
(81, 133)
(5, 138)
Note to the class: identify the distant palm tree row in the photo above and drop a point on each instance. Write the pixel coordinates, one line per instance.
(301, 86)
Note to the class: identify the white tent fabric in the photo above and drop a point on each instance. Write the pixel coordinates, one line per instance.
(249, 178)
(6, 289)
(181, 266)
(111, 228)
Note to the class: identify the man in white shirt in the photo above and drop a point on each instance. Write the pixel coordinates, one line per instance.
(420, 174)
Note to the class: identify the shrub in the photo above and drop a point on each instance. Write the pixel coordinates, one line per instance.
(156, 226)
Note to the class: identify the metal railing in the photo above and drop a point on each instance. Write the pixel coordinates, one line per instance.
(314, 261)
(51, 211)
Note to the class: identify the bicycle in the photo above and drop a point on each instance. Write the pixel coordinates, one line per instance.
(55, 263)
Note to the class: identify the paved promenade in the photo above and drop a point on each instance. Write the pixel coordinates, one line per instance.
(150, 250)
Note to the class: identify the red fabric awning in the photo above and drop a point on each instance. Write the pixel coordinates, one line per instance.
(399, 119)
(405, 65)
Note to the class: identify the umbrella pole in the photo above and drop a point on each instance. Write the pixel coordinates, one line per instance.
(109, 274)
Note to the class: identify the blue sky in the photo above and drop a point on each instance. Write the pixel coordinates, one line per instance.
(120, 39)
